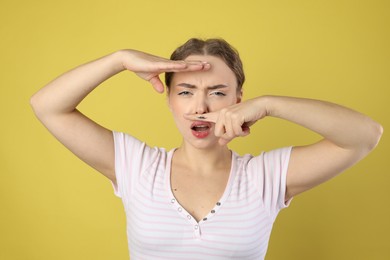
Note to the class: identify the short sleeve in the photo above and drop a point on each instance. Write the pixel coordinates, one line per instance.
(270, 173)
(131, 158)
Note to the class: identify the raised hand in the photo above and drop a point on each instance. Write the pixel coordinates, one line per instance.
(235, 120)
(149, 67)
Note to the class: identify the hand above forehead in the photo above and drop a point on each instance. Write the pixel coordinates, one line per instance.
(149, 67)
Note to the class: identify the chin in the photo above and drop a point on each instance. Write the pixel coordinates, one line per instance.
(203, 144)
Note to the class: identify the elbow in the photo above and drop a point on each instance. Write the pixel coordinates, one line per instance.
(379, 133)
(375, 134)
(34, 103)
(37, 105)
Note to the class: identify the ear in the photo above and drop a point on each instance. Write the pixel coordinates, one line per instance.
(168, 99)
(239, 96)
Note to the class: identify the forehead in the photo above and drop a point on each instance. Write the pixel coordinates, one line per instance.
(219, 73)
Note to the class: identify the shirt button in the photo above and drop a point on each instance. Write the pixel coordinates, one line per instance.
(213, 211)
(179, 209)
(196, 227)
(189, 217)
(218, 203)
(173, 201)
(204, 219)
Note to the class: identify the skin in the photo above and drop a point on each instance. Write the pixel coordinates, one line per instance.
(201, 92)
(348, 136)
(198, 186)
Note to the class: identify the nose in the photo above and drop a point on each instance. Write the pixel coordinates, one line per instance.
(201, 105)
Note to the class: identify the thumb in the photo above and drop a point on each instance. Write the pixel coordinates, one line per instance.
(157, 84)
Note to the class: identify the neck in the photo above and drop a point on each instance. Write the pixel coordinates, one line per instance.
(203, 161)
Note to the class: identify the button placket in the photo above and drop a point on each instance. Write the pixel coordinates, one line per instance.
(197, 232)
(185, 214)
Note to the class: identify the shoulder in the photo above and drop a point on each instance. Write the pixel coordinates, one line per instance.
(279, 155)
(134, 151)
(127, 140)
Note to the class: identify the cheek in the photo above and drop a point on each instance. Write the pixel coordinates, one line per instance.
(177, 110)
(178, 117)
(215, 106)
(179, 106)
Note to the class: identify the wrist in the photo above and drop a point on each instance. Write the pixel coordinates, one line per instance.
(266, 103)
(119, 57)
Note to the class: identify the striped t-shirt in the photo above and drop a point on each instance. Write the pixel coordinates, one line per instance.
(158, 227)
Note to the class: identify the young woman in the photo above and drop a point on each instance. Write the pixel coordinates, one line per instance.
(201, 200)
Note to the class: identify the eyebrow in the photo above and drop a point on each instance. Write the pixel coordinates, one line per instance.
(186, 85)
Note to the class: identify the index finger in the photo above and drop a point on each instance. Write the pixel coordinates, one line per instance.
(208, 117)
(184, 66)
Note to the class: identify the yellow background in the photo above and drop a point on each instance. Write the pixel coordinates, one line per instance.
(53, 206)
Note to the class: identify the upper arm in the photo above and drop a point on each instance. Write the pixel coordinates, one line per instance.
(314, 164)
(89, 141)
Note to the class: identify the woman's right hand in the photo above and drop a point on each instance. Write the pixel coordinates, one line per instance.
(149, 67)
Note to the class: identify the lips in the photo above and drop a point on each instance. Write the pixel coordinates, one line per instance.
(200, 129)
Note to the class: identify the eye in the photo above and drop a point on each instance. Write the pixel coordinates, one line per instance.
(184, 93)
(218, 93)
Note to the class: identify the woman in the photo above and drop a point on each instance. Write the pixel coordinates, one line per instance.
(201, 200)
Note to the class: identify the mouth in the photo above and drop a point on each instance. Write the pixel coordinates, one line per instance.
(200, 129)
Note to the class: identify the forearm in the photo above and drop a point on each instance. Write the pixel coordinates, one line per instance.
(342, 126)
(64, 93)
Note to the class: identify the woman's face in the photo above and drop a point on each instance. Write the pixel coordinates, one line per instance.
(202, 92)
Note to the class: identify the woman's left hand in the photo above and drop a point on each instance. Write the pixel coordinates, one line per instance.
(233, 121)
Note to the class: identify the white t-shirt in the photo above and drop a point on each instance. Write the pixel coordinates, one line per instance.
(158, 227)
